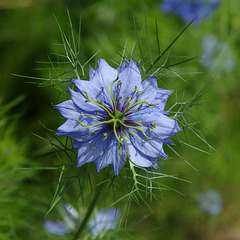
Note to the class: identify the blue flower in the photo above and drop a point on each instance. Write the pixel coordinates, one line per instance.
(210, 202)
(115, 116)
(102, 221)
(71, 218)
(56, 228)
(190, 9)
(216, 55)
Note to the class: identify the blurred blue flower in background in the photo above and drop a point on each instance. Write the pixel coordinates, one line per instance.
(70, 220)
(56, 228)
(217, 56)
(190, 9)
(103, 220)
(114, 117)
(210, 202)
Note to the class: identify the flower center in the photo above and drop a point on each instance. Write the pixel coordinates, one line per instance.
(118, 117)
(115, 117)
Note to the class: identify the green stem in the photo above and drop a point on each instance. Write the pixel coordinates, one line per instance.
(137, 103)
(111, 95)
(94, 125)
(99, 105)
(115, 132)
(137, 128)
(88, 214)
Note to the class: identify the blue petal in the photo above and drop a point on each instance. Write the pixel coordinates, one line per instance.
(91, 73)
(92, 89)
(80, 101)
(138, 158)
(56, 228)
(123, 66)
(152, 94)
(68, 109)
(109, 155)
(149, 89)
(117, 159)
(161, 97)
(131, 80)
(150, 147)
(102, 153)
(165, 127)
(104, 75)
(74, 130)
(93, 150)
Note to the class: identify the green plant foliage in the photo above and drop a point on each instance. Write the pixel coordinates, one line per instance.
(37, 170)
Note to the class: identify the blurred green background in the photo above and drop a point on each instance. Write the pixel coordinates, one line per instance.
(28, 32)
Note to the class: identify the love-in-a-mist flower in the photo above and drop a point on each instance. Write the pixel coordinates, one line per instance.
(217, 56)
(115, 117)
(70, 219)
(190, 9)
(210, 202)
(101, 222)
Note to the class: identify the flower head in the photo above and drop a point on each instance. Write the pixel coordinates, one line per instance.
(115, 116)
(56, 228)
(190, 9)
(210, 202)
(70, 219)
(104, 220)
(217, 56)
